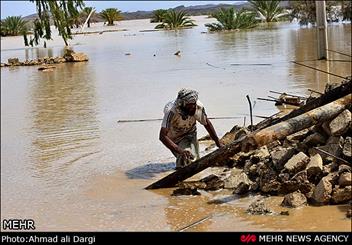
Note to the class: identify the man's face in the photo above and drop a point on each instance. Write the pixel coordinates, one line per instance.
(190, 109)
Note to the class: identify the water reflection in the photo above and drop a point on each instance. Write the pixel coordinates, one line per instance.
(65, 128)
(304, 49)
(36, 53)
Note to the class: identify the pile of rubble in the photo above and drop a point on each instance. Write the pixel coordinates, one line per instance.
(312, 166)
(69, 56)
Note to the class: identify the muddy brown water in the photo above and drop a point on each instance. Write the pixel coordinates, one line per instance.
(67, 164)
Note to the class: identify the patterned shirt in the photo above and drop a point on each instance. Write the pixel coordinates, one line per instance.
(179, 128)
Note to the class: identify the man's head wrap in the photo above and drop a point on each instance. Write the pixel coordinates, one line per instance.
(186, 96)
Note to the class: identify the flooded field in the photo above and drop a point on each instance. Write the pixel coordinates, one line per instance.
(68, 164)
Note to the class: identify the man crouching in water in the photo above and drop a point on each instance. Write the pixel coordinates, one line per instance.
(178, 130)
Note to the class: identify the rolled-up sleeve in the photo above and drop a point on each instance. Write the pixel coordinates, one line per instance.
(167, 119)
(201, 115)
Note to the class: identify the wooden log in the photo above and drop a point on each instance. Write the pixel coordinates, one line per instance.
(324, 99)
(197, 166)
(254, 140)
(281, 130)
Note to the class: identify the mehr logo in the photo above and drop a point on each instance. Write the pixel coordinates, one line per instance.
(18, 224)
(248, 238)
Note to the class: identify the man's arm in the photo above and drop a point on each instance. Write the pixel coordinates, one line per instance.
(209, 127)
(171, 145)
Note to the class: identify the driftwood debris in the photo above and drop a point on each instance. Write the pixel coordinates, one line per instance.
(329, 96)
(256, 139)
(293, 125)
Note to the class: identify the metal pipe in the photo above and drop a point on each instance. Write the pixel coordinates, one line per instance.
(250, 111)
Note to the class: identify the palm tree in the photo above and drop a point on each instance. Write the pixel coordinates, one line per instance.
(60, 13)
(111, 15)
(269, 11)
(85, 13)
(175, 20)
(13, 26)
(158, 15)
(75, 20)
(229, 19)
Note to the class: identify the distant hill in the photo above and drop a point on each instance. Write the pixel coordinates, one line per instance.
(191, 10)
(206, 9)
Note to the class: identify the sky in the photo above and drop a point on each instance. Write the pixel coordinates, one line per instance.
(24, 8)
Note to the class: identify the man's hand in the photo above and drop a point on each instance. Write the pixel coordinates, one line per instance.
(186, 155)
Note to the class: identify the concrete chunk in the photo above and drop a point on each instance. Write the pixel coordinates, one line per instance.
(315, 165)
(294, 200)
(296, 163)
(340, 124)
(322, 192)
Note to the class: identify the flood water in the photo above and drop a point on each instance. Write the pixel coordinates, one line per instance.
(68, 164)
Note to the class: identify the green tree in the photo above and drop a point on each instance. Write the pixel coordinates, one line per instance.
(111, 15)
(85, 13)
(158, 15)
(304, 11)
(60, 13)
(230, 19)
(13, 26)
(346, 9)
(174, 20)
(268, 11)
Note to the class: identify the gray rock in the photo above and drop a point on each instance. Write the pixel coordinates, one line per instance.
(340, 195)
(213, 182)
(254, 186)
(298, 182)
(296, 163)
(331, 167)
(247, 166)
(325, 127)
(343, 168)
(79, 57)
(208, 179)
(315, 166)
(280, 156)
(334, 146)
(333, 177)
(268, 181)
(340, 124)
(258, 207)
(300, 135)
(294, 200)
(314, 140)
(239, 159)
(242, 188)
(322, 192)
(252, 170)
(273, 144)
(235, 179)
(260, 155)
(347, 147)
(13, 61)
(345, 179)
(71, 56)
